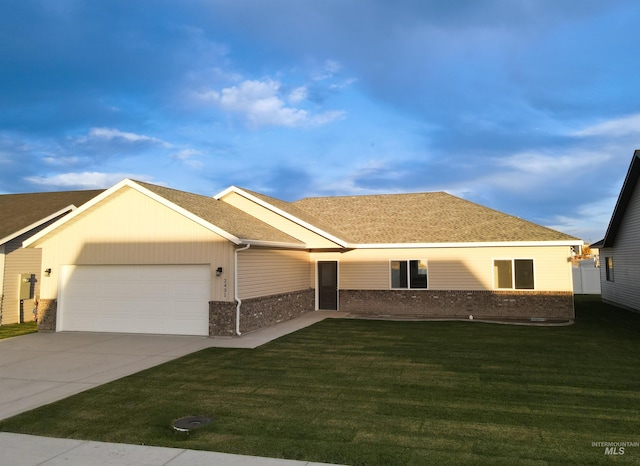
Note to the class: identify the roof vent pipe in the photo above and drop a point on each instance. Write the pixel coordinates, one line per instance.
(235, 287)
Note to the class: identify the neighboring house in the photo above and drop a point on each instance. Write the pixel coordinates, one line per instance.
(22, 216)
(148, 259)
(619, 251)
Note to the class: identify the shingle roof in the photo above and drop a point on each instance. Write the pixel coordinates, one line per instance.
(294, 210)
(222, 215)
(19, 211)
(435, 217)
(378, 219)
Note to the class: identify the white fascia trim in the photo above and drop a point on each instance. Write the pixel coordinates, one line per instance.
(274, 244)
(266, 205)
(221, 194)
(466, 245)
(6, 239)
(132, 184)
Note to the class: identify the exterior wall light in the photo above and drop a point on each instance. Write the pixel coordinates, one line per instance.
(218, 271)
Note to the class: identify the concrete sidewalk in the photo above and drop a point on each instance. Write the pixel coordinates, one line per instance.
(40, 368)
(28, 450)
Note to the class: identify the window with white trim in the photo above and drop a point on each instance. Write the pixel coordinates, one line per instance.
(513, 274)
(409, 274)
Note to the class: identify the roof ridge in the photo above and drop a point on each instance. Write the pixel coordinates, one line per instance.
(262, 195)
(73, 191)
(346, 196)
(152, 185)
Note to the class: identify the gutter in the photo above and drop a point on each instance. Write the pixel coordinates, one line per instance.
(235, 286)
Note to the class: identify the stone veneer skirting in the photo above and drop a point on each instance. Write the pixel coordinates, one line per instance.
(265, 311)
(222, 318)
(47, 315)
(503, 305)
(260, 312)
(255, 313)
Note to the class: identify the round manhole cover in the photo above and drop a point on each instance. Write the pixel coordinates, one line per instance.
(185, 424)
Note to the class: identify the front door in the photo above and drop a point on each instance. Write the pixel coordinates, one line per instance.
(328, 285)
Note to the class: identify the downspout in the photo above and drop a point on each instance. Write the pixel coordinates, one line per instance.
(235, 287)
(1, 279)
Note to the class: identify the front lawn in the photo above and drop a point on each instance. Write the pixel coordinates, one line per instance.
(374, 392)
(14, 330)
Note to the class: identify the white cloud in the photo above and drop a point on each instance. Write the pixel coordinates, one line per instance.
(328, 69)
(60, 160)
(262, 105)
(298, 95)
(186, 156)
(327, 117)
(551, 164)
(588, 221)
(84, 180)
(624, 126)
(343, 84)
(112, 134)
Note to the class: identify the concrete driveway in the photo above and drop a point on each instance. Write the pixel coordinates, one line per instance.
(40, 368)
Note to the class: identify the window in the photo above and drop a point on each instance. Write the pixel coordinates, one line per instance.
(608, 268)
(513, 274)
(409, 274)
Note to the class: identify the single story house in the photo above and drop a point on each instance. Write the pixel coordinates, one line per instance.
(22, 216)
(150, 259)
(619, 251)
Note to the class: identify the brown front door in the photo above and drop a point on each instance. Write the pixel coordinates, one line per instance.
(328, 285)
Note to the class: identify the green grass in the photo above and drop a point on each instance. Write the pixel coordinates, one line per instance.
(375, 392)
(14, 330)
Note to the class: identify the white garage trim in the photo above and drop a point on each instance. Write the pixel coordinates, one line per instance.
(160, 299)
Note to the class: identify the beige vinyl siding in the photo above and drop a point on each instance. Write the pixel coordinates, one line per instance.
(19, 261)
(625, 289)
(146, 232)
(1, 278)
(311, 239)
(264, 272)
(451, 268)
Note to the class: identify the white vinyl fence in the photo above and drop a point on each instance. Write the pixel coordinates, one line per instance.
(586, 280)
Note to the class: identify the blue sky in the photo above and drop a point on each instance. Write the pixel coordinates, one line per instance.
(531, 107)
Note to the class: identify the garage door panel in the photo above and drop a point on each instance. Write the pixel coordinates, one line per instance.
(188, 290)
(158, 290)
(168, 299)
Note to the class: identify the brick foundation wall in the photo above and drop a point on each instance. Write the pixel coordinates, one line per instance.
(269, 310)
(47, 315)
(504, 305)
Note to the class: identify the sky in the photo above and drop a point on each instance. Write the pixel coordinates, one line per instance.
(530, 107)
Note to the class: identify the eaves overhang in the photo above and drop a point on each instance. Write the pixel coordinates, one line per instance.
(273, 244)
(40, 222)
(624, 198)
(485, 244)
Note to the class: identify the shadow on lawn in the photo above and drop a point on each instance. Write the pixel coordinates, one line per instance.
(591, 309)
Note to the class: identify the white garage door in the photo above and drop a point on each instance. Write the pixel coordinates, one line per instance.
(164, 299)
